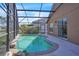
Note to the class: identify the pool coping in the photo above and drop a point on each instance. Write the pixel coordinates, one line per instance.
(13, 42)
(40, 53)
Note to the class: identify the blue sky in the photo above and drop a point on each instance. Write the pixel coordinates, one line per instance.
(33, 6)
(2, 13)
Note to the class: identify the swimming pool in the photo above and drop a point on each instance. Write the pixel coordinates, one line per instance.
(33, 44)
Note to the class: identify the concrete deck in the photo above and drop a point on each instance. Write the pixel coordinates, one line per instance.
(65, 48)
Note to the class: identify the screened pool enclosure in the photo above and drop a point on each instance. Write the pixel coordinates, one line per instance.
(22, 18)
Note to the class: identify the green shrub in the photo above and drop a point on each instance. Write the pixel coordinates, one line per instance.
(25, 29)
(35, 30)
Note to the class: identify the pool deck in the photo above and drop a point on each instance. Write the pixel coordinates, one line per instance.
(66, 48)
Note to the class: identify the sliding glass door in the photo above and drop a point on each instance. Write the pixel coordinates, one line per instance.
(62, 27)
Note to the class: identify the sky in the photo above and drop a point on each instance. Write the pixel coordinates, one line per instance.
(33, 6)
(2, 13)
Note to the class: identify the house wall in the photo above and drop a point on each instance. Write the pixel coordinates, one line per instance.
(71, 11)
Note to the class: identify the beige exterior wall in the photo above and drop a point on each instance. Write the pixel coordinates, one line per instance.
(72, 12)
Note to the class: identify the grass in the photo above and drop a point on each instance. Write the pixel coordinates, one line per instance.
(2, 30)
(2, 40)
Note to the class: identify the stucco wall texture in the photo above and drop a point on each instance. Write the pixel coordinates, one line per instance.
(71, 11)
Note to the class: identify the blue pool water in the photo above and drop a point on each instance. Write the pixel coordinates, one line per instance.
(32, 43)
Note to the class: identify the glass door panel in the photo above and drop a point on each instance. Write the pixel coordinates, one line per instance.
(60, 27)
